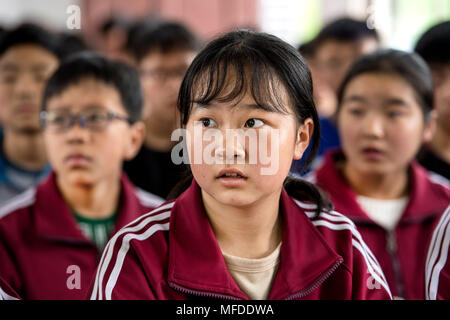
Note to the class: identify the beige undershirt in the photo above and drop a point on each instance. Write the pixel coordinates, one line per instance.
(254, 276)
(385, 213)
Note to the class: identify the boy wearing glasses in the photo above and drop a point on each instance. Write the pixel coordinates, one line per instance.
(51, 237)
(28, 56)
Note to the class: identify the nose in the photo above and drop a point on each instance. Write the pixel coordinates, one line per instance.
(77, 133)
(373, 126)
(231, 149)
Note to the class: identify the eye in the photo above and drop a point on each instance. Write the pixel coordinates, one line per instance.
(357, 112)
(254, 123)
(95, 117)
(394, 114)
(208, 123)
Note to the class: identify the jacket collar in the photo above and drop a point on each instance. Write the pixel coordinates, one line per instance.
(55, 221)
(196, 262)
(426, 199)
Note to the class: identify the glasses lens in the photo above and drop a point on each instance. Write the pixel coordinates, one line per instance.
(57, 120)
(95, 119)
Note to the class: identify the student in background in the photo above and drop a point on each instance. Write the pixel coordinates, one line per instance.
(51, 236)
(28, 56)
(235, 232)
(383, 117)
(434, 48)
(163, 54)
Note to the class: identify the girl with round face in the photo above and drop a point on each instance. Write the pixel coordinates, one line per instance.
(384, 115)
(242, 229)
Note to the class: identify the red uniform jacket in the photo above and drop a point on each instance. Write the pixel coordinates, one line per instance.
(401, 252)
(171, 253)
(6, 292)
(437, 270)
(43, 253)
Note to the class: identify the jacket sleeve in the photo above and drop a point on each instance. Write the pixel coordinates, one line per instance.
(437, 268)
(9, 271)
(120, 275)
(6, 292)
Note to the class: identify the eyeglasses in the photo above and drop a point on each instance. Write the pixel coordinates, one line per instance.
(92, 119)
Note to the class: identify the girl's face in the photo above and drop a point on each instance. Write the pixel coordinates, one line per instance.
(246, 151)
(381, 124)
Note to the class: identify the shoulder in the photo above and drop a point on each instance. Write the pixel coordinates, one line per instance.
(19, 203)
(148, 199)
(343, 237)
(145, 230)
(437, 262)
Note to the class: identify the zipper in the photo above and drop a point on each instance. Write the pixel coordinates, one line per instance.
(200, 293)
(317, 283)
(391, 246)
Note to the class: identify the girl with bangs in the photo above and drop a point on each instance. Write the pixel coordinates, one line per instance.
(236, 228)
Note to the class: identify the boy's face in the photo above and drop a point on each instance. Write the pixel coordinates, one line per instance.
(24, 70)
(161, 76)
(334, 58)
(441, 78)
(87, 156)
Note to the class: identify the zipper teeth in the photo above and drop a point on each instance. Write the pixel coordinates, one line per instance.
(392, 248)
(200, 293)
(316, 284)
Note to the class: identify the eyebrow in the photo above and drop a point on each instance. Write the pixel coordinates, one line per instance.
(249, 106)
(354, 98)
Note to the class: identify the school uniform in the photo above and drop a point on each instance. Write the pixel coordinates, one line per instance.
(437, 269)
(43, 252)
(171, 253)
(402, 250)
(6, 292)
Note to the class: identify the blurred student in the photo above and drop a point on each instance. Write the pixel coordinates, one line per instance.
(28, 56)
(337, 46)
(383, 117)
(51, 236)
(114, 33)
(239, 230)
(434, 47)
(163, 54)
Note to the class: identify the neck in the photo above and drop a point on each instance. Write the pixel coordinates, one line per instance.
(440, 144)
(377, 186)
(158, 134)
(25, 150)
(252, 231)
(96, 201)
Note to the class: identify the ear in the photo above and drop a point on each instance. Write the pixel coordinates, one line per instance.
(136, 138)
(304, 134)
(430, 127)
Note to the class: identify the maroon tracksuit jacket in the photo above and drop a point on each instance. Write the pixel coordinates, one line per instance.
(403, 251)
(171, 253)
(6, 292)
(437, 270)
(43, 253)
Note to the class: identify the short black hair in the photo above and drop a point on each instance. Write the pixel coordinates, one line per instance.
(86, 65)
(346, 30)
(165, 37)
(409, 66)
(114, 21)
(29, 33)
(434, 45)
(307, 49)
(71, 43)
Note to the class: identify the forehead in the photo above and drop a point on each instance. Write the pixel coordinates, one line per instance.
(332, 48)
(171, 59)
(25, 55)
(87, 93)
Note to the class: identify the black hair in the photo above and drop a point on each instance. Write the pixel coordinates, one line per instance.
(257, 61)
(409, 66)
(434, 45)
(71, 43)
(29, 33)
(346, 30)
(114, 21)
(307, 49)
(137, 29)
(86, 65)
(165, 37)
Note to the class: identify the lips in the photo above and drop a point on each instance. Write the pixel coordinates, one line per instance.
(77, 160)
(231, 177)
(372, 153)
